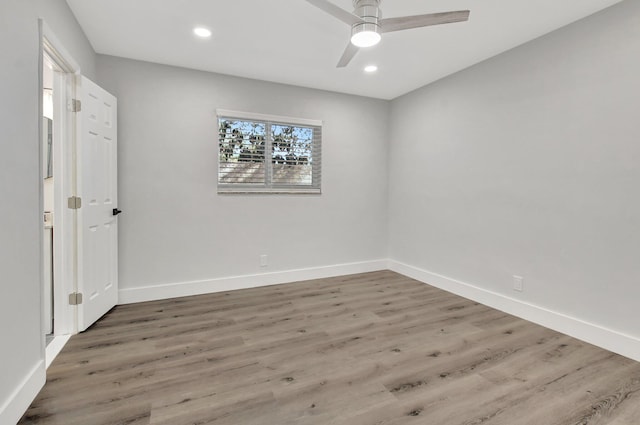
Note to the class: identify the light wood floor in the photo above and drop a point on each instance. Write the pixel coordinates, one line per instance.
(369, 349)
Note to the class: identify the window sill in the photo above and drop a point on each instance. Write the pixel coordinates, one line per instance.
(268, 191)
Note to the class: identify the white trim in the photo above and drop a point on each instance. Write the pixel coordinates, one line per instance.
(592, 333)
(24, 394)
(63, 218)
(56, 49)
(55, 346)
(236, 189)
(183, 289)
(41, 181)
(617, 342)
(265, 117)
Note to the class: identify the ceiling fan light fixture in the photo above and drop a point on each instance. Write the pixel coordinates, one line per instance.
(367, 23)
(365, 35)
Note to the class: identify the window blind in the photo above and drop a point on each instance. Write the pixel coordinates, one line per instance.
(268, 154)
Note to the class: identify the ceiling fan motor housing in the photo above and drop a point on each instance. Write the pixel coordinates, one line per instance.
(369, 12)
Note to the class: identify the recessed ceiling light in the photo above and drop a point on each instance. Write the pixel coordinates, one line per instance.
(370, 68)
(202, 32)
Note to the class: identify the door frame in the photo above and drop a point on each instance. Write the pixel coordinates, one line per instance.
(65, 183)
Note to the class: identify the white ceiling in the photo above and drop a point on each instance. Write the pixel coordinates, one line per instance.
(292, 42)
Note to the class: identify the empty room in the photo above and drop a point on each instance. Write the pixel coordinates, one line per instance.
(362, 212)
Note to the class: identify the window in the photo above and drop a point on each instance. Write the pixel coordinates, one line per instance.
(268, 154)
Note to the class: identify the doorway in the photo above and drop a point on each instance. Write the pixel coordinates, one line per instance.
(48, 289)
(58, 75)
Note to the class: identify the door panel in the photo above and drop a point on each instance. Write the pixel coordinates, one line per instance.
(97, 187)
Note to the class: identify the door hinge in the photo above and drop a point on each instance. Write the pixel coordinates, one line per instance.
(75, 105)
(75, 298)
(74, 203)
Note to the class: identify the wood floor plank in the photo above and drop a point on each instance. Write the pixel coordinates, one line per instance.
(368, 349)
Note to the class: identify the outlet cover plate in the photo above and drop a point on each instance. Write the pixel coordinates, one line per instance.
(518, 283)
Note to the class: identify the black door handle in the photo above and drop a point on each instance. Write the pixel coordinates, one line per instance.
(116, 211)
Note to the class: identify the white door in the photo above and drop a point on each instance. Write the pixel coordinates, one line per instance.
(98, 192)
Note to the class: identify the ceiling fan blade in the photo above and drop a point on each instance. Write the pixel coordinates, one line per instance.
(417, 21)
(348, 54)
(335, 11)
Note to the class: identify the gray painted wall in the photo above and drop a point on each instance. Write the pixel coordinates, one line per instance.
(176, 228)
(527, 164)
(20, 305)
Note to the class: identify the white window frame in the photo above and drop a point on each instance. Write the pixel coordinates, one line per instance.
(269, 187)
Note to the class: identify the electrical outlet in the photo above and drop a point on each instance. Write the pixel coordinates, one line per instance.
(518, 283)
(264, 260)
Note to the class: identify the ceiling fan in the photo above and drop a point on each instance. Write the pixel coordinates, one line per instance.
(367, 24)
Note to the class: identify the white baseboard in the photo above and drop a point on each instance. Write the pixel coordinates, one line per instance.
(54, 348)
(608, 339)
(183, 289)
(22, 397)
